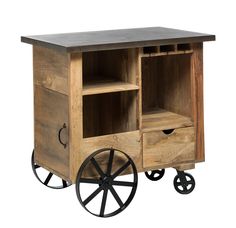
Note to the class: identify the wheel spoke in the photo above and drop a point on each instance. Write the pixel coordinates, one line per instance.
(120, 170)
(89, 181)
(64, 183)
(179, 183)
(152, 174)
(99, 170)
(190, 182)
(89, 198)
(123, 183)
(36, 166)
(48, 178)
(117, 198)
(104, 200)
(158, 171)
(109, 166)
(185, 188)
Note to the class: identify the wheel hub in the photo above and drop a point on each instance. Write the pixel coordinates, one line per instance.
(106, 181)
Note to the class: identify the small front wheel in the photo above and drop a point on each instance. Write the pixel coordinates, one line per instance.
(101, 186)
(155, 175)
(184, 183)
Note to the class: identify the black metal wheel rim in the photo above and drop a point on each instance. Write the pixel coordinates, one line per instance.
(105, 181)
(155, 175)
(184, 185)
(46, 181)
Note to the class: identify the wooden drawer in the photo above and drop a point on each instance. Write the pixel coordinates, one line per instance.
(51, 112)
(165, 150)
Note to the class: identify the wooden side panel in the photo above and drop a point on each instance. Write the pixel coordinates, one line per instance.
(51, 69)
(51, 112)
(128, 142)
(75, 113)
(197, 97)
(161, 150)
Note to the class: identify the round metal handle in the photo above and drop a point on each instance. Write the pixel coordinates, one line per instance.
(59, 136)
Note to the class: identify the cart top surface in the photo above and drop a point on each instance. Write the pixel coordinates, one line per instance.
(116, 39)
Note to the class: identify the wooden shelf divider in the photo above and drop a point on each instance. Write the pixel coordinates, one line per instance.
(107, 87)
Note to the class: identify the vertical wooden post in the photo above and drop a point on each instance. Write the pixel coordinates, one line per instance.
(197, 98)
(75, 84)
(139, 106)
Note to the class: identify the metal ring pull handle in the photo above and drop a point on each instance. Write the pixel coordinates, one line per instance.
(59, 135)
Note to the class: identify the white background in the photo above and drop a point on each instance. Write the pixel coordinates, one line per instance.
(24, 202)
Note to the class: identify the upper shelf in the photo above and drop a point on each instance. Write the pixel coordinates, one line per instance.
(116, 39)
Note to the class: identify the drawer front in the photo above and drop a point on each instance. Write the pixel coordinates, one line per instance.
(167, 149)
(51, 112)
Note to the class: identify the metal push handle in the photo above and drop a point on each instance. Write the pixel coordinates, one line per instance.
(59, 136)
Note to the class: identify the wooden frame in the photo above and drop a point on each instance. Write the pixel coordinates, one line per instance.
(92, 125)
(141, 97)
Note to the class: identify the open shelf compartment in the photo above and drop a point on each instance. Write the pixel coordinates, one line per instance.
(110, 113)
(110, 71)
(166, 92)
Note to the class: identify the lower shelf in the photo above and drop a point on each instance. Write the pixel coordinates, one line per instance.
(162, 119)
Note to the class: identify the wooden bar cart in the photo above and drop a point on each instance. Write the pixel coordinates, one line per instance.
(117, 102)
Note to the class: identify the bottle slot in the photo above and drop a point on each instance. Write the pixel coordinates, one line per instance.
(184, 47)
(150, 49)
(167, 48)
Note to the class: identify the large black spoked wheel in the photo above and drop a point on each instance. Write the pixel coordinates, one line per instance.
(155, 175)
(47, 178)
(184, 183)
(101, 186)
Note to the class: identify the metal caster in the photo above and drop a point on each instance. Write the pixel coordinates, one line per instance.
(184, 183)
(57, 182)
(102, 170)
(155, 175)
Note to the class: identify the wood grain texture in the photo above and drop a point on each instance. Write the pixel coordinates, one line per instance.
(139, 81)
(167, 53)
(184, 167)
(197, 97)
(116, 39)
(51, 113)
(50, 69)
(166, 84)
(67, 178)
(75, 113)
(162, 119)
(164, 150)
(108, 87)
(129, 142)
